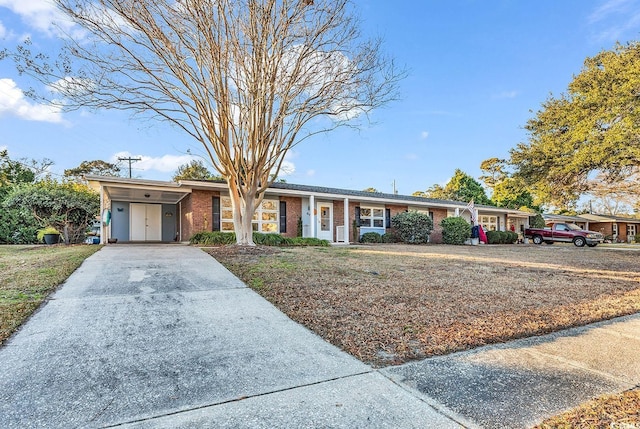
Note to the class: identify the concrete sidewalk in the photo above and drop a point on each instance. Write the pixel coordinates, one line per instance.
(165, 337)
(520, 383)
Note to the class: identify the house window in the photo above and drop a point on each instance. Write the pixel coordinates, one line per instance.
(265, 219)
(614, 228)
(631, 230)
(372, 217)
(489, 223)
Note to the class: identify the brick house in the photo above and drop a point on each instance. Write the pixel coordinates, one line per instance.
(618, 229)
(157, 211)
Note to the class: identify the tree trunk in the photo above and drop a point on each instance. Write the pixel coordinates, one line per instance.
(244, 203)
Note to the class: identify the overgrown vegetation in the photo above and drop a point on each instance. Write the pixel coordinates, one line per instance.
(455, 230)
(28, 274)
(217, 238)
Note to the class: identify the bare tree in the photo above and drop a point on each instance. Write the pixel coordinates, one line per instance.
(615, 195)
(248, 79)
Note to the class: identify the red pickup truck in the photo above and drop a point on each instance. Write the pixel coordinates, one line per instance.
(564, 232)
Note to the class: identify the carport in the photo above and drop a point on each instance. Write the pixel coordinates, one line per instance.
(138, 210)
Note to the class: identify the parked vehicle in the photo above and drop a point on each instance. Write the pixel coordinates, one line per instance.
(564, 232)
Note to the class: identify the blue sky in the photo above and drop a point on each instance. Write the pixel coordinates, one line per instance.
(477, 68)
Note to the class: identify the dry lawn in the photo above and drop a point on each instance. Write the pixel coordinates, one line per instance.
(28, 274)
(620, 411)
(388, 304)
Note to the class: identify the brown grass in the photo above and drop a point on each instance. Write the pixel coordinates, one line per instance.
(388, 304)
(620, 411)
(28, 274)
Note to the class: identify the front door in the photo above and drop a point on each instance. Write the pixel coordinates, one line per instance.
(146, 222)
(325, 221)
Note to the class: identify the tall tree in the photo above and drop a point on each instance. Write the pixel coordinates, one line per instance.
(248, 79)
(592, 128)
(194, 170)
(461, 187)
(96, 167)
(506, 190)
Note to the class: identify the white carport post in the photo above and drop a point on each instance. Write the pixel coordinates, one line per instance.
(103, 231)
(346, 221)
(312, 215)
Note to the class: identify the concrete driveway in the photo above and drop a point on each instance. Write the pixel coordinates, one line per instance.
(164, 336)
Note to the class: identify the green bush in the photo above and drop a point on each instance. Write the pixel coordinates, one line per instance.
(412, 227)
(215, 238)
(455, 230)
(307, 241)
(493, 237)
(391, 237)
(371, 237)
(501, 237)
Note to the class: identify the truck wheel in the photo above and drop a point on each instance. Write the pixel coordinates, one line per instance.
(592, 244)
(537, 239)
(579, 241)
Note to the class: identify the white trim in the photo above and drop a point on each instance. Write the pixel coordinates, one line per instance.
(323, 234)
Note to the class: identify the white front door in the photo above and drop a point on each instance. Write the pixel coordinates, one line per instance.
(325, 221)
(146, 222)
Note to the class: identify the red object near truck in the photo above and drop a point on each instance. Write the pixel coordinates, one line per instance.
(564, 232)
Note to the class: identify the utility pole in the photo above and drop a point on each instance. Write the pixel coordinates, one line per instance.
(130, 161)
(395, 191)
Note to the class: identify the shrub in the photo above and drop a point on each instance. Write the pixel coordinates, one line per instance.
(371, 237)
(493, 237)
(215, 238)
(412, 227)
(391, 237)
(501, 237)
(455, 230)
(306, 241)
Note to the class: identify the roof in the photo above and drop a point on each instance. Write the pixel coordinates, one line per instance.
(608, 218)
(283, 188)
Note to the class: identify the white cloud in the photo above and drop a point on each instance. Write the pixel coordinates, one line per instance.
(311, 173)
(13, 102)
(424, 135)
(164, 164)
(607, 8)
(615, 18)
(287, 168)
(41, 15)
(3, 30)
(506, 94)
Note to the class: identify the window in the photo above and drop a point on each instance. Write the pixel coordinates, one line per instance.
(614, 227)
(489, 223)
(631, 230)
(265, 219)
(372, 217)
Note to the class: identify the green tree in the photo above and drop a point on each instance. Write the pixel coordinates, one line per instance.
(68, 207)
(96, 167)
(248, 79)
(372, 190)
(461, 187)
(194, 170)
(506, 190)
(17, 226)
(592, 128)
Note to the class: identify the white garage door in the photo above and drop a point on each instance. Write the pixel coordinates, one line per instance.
(146, 222)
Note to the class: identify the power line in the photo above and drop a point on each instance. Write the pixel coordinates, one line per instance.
(130, 160)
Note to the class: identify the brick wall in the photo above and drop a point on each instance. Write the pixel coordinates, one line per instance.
(186, 218)
(438, 216)
(294, 212)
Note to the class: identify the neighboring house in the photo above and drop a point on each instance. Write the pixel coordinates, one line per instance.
(616, 228)
(157, 211)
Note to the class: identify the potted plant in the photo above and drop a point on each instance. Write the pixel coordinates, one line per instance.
(49, 234)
